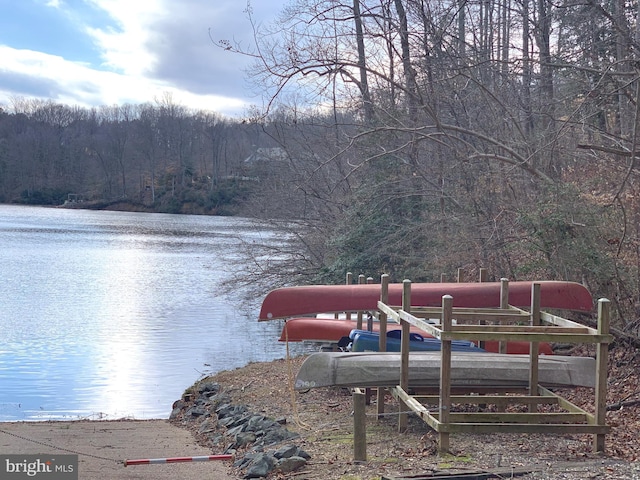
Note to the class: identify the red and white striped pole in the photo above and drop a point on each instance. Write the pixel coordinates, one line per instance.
(152, 461)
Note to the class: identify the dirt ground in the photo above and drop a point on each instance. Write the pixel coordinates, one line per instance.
(102, 447)
(323, 418)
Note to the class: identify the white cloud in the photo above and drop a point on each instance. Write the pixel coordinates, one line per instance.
(76, 84)
(144, 48)
(125, 48)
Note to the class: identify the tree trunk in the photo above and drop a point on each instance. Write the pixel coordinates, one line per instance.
(362, 63)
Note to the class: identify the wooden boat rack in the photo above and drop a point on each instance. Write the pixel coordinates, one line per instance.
(503, 324)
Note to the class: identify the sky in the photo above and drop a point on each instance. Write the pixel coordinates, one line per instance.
(112, 52)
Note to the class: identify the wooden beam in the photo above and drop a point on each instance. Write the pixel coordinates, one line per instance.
(546, 317)
(544, 428)
(382, 343)
(404, 354)
(524, 418)
(361, 281)
(359, 426)
(602, 355)
(504, 305)
(490, 399)
(525, 337)
(520, 329)
(401, 395)
(534, 349)
(445, 373)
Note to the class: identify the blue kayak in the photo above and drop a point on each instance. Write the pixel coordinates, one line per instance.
(365, 341)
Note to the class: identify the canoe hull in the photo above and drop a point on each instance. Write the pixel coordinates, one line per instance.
(313, 329)
(468, 370)
(307, 300)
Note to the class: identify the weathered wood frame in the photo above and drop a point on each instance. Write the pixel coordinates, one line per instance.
(503, 324)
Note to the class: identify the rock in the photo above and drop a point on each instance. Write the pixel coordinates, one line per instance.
(278, 435)
(232, 432)
(303, 454)
(259, 422)
(233, 428)
(261, 466)
(196, 412)
(208, 426)
(228, 410)
(175, 413)
(290, 464)
(244, 438)
(286, 451)
(209, 388)
(245, 461)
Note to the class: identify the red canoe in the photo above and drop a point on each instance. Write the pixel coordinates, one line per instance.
(331, 330)
(313, 329)
(307, 300)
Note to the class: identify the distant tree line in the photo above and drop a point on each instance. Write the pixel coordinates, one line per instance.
(162, 156)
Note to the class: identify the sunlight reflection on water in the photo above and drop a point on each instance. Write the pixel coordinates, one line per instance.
(113, 314)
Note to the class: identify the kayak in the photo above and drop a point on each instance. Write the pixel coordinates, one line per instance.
(364, 341)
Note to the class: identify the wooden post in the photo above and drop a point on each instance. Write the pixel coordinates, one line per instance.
(359, 426)
(369, 315)
(361, 280)
(483, 278)
(404, 355)
(483, 275)
(504, 303)
(460, 278)
(445, 374)
(502, 345)
(349, 282)
(382, 345)
(602, 357)
(534, 346)
(443, 278)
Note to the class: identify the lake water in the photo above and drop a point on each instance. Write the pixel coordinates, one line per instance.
(110, 314)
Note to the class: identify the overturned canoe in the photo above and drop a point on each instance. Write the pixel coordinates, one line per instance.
(482, 370)
(312, 329)
(306, 300)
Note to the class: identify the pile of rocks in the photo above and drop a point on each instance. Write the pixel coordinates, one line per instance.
(233, 429)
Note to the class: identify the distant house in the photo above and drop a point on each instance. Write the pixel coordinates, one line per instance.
(265, 162)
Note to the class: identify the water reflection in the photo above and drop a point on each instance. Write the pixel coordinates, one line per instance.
(111, 314)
